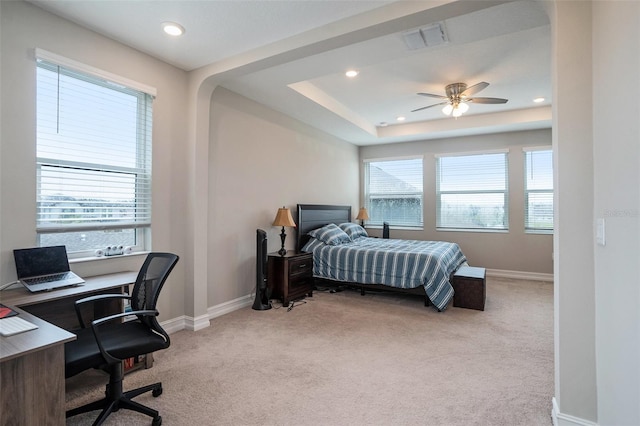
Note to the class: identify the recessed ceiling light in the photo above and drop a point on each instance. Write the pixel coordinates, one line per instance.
(538, 100)
(401, 118)
(351, 73)
(383, 124)
(172, 28)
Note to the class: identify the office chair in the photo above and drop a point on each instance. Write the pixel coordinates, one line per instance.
(110, 340)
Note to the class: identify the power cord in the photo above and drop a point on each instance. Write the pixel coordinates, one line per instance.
(7, 285)
(293, 304)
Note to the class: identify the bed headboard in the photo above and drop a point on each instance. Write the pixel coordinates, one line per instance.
(313, 216)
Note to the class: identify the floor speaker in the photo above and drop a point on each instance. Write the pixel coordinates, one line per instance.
(261, 302)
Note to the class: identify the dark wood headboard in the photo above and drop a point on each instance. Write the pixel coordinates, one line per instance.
(313, 216)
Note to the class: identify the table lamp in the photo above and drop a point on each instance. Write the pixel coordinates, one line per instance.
(283, 218)
(362, 216)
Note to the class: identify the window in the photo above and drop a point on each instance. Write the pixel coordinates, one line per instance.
(472, 191)
(538, 190)
(393, 191)
(93, 161)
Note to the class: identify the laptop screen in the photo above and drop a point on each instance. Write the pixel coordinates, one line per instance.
(33, 262)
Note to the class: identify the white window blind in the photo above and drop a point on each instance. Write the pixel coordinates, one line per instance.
(472, 191)
(538, 188)
(393, 191)
(93, 160)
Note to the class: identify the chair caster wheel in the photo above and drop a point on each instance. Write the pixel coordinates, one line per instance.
(157, 421)
(157, 393)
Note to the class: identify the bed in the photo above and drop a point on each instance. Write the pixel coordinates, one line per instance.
(349, 256)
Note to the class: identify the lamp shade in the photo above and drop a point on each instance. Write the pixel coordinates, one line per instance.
(283, 218)
(362, 214)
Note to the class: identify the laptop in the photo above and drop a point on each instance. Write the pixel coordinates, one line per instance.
(44, 268)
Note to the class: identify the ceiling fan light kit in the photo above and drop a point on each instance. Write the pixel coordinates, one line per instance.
(457, 97)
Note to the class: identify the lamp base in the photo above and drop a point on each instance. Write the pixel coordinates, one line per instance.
(283, 236)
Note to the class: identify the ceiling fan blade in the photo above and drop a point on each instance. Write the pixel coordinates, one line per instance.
(474, 89)
(430, 106)
(431, 95)
(487, 100)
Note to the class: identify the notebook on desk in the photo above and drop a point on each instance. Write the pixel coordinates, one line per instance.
(44, 268)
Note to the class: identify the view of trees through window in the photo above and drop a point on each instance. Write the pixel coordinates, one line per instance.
(472, 191)
(538, 185)
(93, 161)
(394, 192)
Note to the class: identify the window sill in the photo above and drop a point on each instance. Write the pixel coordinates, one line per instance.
(482, 231)
(98, 258)
(538, 232)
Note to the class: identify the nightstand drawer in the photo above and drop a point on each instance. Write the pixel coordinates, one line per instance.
(301, 267)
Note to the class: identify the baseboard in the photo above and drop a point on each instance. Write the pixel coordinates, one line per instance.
(174, 325)
(194, 324)
(185, 323)
(560, 419)
(230, 306)
(519, 275)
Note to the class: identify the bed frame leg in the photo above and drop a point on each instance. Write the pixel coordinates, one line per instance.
(361, 291)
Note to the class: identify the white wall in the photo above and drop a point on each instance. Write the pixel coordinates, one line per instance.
(596, 138)
(616, 137)
(25, 27)
(261, 160)
(575, 367)
(512, 251)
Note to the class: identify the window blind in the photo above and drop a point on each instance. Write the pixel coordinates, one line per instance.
(472, 191)
(538, 186)
(93, 152)
(394, 191)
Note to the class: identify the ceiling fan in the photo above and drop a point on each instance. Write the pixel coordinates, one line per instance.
(458, 95)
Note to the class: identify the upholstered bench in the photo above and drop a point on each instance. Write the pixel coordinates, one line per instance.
(469, 287)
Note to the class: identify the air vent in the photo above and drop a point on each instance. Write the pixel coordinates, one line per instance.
(429, 36)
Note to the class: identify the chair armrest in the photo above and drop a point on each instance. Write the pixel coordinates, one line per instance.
(96, 298)
(95, 324)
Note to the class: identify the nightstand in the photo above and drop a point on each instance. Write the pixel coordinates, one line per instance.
(290, 276)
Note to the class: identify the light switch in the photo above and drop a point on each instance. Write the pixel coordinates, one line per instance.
(600, 231)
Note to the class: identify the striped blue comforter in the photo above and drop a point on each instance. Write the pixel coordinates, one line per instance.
(391, 262)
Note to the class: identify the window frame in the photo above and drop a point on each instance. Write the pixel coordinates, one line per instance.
(529, 229)
(141, 173)
(374, 223)
(440, 193)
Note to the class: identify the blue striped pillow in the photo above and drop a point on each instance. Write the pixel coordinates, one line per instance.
(353, 230)
(330, 234)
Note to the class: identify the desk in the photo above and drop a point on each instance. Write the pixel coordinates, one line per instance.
(32, 371)
(32, 363)
(57, 306)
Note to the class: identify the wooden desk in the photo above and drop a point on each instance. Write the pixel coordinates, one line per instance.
(32, 362)
(57, 306)
(32, 371)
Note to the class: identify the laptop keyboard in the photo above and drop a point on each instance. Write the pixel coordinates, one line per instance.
(47, 279)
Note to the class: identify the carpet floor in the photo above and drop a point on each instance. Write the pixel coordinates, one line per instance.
(344, 359)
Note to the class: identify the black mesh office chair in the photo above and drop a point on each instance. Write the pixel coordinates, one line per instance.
(108, 341)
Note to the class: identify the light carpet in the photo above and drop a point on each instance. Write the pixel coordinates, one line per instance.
(344, 359)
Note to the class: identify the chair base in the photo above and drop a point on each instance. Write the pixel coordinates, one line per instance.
(115, 399)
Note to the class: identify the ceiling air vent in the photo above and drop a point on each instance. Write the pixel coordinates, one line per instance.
(429, 36)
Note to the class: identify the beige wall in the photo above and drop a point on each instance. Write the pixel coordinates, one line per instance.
(261, 160)
(512, 251)
(616, 138)
(25, 27)
(575, 368)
